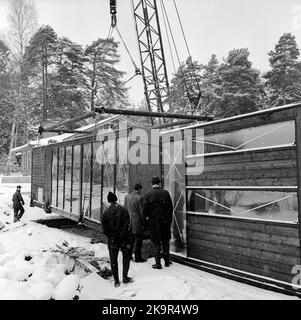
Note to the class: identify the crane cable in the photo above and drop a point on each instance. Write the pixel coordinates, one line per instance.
(113, 11)
(137, 70)
(184, 36)
(175, 47)
(168, 39)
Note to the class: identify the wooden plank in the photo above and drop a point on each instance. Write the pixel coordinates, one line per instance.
(224, 259)
(260, 254)
(248, 234)
(241, 259)
(246, 242)
(48, 178)
(192, 181)
(286, 235)
(298, 144)
(290, 230)
(283, 153)
(284, 173)
(38, 168)
(257, 165)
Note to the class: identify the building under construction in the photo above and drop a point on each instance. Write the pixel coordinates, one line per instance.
(236, 188)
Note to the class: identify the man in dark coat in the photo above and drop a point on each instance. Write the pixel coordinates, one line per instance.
(158, 210)
(18, 204)
(115, 224)
(133, 203)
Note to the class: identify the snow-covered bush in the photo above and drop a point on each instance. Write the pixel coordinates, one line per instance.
(67, 288)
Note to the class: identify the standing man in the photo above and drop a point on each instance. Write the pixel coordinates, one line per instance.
(158, 209)
(18, 204)
(133, 203)
(115, 224)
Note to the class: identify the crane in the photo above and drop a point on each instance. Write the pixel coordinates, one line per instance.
(154, 73)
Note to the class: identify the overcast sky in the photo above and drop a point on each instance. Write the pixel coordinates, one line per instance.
(211, 26)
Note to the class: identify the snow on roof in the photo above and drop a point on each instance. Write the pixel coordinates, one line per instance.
(53, 139)
(92, 125)
(108, 119)
(63, 137)
(20, 148)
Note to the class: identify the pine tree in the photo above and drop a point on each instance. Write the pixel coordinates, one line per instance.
(242, 90)
(65, 90)
(185, 88)
(40, 57)
(102, 80)
(284, 78)
(211, 87)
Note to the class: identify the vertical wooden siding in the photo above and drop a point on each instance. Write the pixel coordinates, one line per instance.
(38, 171)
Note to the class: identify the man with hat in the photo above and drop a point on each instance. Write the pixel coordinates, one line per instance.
(133, 203)
(18, 204)
(158, 210)
(115, 224)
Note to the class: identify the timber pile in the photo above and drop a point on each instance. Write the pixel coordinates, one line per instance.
(74, 252)
(86, 259)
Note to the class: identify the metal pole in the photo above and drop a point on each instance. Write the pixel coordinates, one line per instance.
(172, 124)
(65, 131)
(153, 114)
(85, 116)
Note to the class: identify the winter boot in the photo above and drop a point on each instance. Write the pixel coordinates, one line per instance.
(127, 280)
(115, 275)
(157, 265)
(167, 263)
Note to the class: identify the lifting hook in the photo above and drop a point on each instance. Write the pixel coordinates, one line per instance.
(113, 12)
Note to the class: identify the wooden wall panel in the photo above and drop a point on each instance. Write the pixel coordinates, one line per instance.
(266, 248)
(252, 168)
(38, 171)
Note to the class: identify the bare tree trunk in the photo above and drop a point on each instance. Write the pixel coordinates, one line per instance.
(93, 85)
(22, 18)
(46, 86)
(43, 93)
(12, 135)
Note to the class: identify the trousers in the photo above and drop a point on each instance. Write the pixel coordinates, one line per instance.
(18, 212)
(161, 250)
(136, 245)
(126, 258)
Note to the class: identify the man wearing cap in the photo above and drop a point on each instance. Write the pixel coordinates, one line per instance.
(133, 203)
(115, 224)
(18, 204)
(158, 209)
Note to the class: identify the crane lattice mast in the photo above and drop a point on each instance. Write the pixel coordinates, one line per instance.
(154, 73)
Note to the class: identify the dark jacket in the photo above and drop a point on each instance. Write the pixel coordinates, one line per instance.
(17, 199)
(133, 203)
(158, 209)
(115, 223)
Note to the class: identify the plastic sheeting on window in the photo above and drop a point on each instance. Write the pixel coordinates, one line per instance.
(257, 204)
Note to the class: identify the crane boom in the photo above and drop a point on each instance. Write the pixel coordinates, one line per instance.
(156, 86)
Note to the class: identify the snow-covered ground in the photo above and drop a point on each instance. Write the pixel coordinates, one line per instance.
(32, 268)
